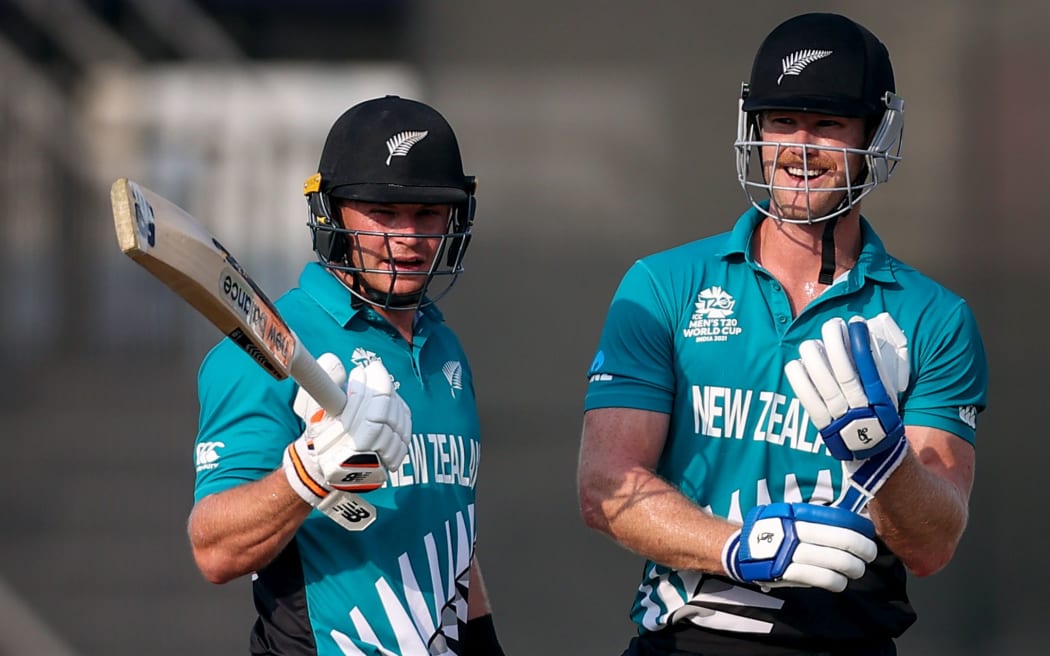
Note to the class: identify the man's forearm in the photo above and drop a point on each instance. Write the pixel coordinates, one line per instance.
(240, 530)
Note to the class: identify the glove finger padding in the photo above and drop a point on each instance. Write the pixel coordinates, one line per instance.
(304, 404)
(800, 545)
(839, 382)
(891, 353)
(376, 420)
(836, 338)
(357, 470)
(874, 388)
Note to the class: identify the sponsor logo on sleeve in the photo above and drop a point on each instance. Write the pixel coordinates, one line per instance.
(208, 455)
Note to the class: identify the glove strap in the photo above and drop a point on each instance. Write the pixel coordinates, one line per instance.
(867, 478)
(729, 557)
(297, 471)
(348, 510)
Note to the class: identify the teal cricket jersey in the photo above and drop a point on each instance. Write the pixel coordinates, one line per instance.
(402, 584)
(701, 332)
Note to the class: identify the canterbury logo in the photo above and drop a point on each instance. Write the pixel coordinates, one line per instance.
(207, 455)
(400, 144)
(796, 62)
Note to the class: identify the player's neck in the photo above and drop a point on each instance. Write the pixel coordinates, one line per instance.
(791, 253)
(402, 320)
(796, 248)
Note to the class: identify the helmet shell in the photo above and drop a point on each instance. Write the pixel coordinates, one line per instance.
(821, 62)
(393, 150)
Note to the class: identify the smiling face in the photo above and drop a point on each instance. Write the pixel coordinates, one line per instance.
(393, 246)
(807, 161)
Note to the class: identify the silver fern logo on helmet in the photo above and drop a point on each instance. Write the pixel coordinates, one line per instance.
(399, 144)
(797, 62)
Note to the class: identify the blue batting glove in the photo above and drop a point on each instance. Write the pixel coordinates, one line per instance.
(839, 381)
(800, 545)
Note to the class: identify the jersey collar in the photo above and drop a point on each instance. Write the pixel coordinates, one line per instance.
(334, 298)
(874, 262)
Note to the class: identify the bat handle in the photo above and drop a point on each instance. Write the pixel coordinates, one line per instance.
(305, 370)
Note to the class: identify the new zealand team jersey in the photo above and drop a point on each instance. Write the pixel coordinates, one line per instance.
(702, 332)
(400, 586)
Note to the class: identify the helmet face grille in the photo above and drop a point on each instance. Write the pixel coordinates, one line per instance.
(828, 64)
(339, 249)
(391, 150)
(880, 159)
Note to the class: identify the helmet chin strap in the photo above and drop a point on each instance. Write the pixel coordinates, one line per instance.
(827, 239)
(365, 293)
(827, 252)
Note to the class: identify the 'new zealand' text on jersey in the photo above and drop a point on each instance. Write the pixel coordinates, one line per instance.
(400, 586)
(701, 332)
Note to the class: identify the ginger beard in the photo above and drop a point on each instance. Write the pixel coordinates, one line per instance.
(807, 181)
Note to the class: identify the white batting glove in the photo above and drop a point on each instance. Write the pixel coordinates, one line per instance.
(345, 508)
(373, 430)
(800, 545)
(849, 382)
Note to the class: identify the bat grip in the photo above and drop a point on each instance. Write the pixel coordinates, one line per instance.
(305, 370)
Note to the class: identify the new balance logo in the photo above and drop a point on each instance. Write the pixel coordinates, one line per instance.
(357, 477)
(352, 512)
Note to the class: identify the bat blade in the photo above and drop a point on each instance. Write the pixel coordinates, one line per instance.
(173, 246)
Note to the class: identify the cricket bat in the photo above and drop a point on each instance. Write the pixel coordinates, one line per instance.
(173, 246)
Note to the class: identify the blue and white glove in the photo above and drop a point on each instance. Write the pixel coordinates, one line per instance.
(800, 545)
(849, 382)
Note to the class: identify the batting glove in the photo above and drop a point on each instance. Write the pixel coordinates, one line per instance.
(345, 508)
(849, 382)
(373, 430)
(800, 545)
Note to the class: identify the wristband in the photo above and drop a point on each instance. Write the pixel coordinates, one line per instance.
(479, 637)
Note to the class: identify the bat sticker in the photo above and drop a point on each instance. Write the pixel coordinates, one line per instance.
(144, 221)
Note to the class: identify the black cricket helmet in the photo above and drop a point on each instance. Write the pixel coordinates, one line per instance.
(824, 63)
(391, 150)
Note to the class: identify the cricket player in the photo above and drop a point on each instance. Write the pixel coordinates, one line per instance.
(781, 418)
(358, 530)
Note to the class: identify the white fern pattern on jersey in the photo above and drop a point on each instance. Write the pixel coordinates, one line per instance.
(693, 593)
(422, 628)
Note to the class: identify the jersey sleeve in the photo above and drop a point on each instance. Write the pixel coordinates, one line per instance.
(632, 366)
(951, 385)
(246, 420)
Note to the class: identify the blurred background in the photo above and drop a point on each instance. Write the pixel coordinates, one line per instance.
(600, 132)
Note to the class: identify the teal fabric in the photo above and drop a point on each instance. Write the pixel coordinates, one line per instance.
(702, 333)
(395, 577)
